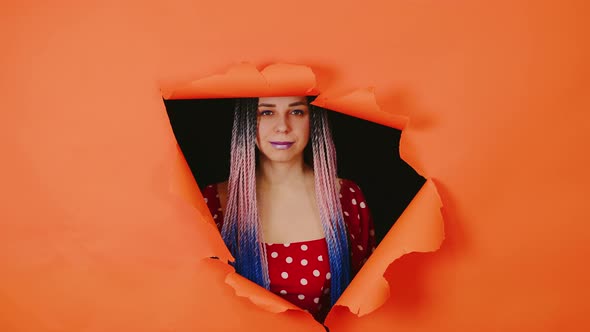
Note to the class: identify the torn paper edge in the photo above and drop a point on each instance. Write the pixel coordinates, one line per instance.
(244, 287)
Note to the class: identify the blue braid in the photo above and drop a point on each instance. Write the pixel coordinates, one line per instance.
(329, 204)
(241, 229)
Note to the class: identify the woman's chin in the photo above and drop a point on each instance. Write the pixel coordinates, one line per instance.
(284, 156)
(281, 159)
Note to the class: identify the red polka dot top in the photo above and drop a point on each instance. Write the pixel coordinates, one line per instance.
(300, 271)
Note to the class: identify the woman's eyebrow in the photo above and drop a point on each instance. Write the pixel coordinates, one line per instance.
(297, 103)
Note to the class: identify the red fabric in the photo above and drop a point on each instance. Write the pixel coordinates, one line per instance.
(300, 271)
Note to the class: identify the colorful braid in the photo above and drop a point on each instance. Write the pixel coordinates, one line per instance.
(242, 231)
(325, 173)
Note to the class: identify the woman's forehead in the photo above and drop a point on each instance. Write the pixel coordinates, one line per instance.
(281, 101)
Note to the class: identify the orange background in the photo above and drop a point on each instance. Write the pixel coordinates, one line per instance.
(94, 236)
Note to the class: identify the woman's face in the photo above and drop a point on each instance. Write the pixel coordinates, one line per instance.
(283, 127)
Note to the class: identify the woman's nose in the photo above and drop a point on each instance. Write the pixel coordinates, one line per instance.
(282, 125)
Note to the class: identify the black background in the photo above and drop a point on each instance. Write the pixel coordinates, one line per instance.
(368, 154)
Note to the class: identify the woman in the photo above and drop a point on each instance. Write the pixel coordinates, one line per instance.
(292, 225)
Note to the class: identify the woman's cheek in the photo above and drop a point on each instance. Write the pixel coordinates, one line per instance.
(262, 128)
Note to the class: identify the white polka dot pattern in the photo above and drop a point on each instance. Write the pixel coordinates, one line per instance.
(300, 271)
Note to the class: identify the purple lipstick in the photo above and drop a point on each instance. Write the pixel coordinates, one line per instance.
(281, 145)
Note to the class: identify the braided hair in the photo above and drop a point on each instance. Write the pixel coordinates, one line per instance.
(242, 230)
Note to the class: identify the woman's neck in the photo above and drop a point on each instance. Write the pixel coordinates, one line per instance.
(273, 174)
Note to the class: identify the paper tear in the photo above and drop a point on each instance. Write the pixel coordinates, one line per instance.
(262, 298)
(245, 288)
(419, 229)
(301, 78)
(258, 295)
(183, 185)
(362, 104)
(245, 80)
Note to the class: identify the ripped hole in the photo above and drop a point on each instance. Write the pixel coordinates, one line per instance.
(368, 154)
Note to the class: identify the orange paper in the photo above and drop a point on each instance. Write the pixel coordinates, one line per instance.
(102, 227)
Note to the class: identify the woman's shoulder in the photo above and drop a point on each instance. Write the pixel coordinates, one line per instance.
(219, 187)
(209, 191)
(216, 192)
(351, 195)
(348, 186)
(359, 222)
(215, 197)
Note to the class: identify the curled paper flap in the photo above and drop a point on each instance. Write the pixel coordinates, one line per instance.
(182, 184)
(258, 295)
(245, 80)
(362, 104)
(292, 80)
(419, 229)
(420, 217)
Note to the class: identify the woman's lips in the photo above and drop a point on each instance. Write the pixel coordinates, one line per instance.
(281, 145)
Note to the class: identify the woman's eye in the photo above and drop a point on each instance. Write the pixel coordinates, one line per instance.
(297, 112)
(265, 113)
